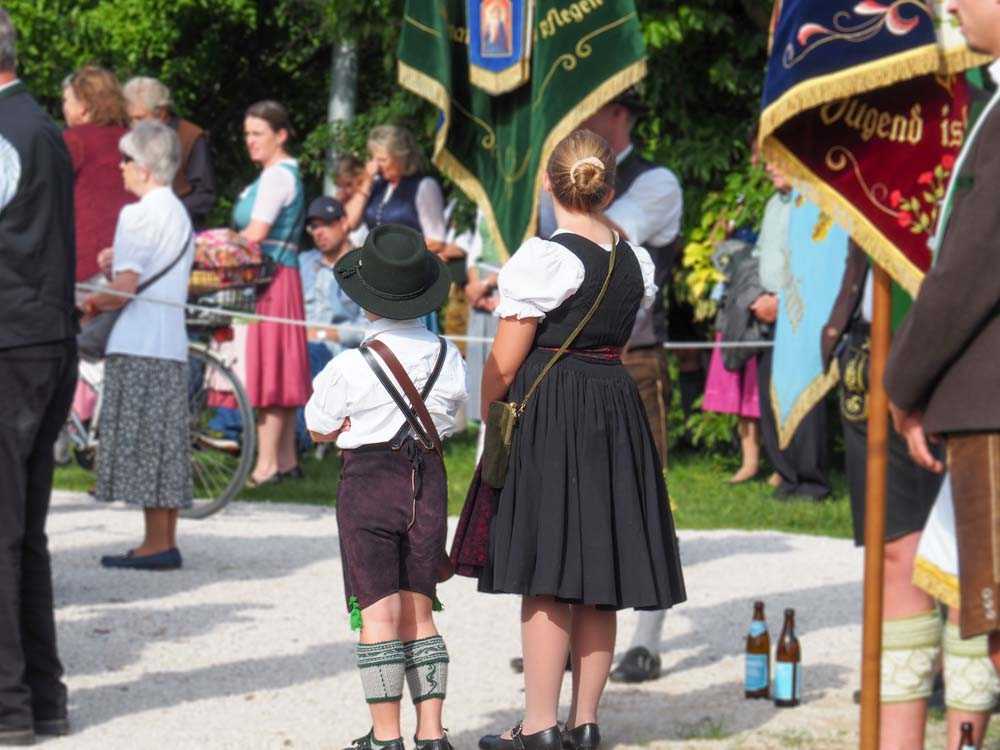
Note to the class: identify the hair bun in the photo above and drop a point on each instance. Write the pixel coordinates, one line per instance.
(587, 174)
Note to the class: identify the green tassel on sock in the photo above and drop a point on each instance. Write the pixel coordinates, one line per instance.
(437, 606)
(355, 613)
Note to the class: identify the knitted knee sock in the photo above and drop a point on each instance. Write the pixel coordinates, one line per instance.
(910, 648)
(426, 668)
(970, 681)
(381, 667)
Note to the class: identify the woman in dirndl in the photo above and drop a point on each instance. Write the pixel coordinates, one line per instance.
(583, 526)
(271, 211)
(144, 456)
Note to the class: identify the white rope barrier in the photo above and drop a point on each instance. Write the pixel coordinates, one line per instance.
(245, 317)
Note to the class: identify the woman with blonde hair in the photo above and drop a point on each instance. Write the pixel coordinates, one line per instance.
(94, 109)
(583, 526)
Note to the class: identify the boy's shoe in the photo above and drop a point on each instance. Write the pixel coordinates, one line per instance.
(438, 744)
(368, 742)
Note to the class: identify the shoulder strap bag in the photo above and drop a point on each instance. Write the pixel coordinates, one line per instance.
(503, 416)
(92, 341)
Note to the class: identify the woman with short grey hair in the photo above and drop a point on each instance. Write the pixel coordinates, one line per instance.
(144, 457)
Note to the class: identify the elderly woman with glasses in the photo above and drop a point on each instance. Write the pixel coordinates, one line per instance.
(144, 457)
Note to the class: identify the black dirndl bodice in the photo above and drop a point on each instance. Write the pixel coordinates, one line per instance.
(584, 515)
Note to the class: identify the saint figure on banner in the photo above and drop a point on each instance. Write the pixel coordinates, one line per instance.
(495, 24)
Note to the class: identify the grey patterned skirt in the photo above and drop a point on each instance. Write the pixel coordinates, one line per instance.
(144, 454)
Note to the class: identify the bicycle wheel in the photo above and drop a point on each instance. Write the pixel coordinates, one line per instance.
(221, 454)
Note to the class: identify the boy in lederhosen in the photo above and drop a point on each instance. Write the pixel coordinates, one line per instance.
(386, 405)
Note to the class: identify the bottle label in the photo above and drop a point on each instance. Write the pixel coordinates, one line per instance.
(787, 681)
(756, 672)
(757, 628)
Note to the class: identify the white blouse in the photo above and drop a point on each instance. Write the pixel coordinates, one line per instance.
(275, 191)
(542, 275)
(347, 388)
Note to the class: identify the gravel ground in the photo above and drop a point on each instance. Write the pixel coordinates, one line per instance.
(248, 646)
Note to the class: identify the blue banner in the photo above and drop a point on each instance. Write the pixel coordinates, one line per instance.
(499, 44)
(815, 256)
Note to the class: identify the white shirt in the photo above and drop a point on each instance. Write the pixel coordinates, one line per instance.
(542, 275)
(148, 236)
(650, 211)
(276, 190)
(348, 388)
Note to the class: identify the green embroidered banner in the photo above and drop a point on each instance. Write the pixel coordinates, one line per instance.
(582, 54)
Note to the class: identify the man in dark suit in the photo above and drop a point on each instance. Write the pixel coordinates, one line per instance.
(37, 377)
(943, 375)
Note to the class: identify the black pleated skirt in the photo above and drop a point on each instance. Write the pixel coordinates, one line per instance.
(584, 514)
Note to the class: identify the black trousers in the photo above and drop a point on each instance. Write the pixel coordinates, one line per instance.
(803, 464)
(36, 390)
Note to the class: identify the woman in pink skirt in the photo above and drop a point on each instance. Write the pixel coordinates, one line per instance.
(271, 211)
(729, 392)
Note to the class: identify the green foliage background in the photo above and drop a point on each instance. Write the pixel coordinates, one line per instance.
(218, 56)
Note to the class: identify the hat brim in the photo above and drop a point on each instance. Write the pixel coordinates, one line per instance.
(369, 299)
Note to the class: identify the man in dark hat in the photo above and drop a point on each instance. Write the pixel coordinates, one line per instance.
(392, 501)
(647, 207)
(325, 302)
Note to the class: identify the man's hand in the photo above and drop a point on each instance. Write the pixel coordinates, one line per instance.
(331, 437)
(765, 308)
(910, 426)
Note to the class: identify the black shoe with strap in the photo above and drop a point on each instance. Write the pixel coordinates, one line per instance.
(547, 739)
(368, 742)
(583, 737)
(638, 665)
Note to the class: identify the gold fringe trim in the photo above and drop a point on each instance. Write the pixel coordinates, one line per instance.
(857, 225)
(433, 91)
(811, 395)
(942, 586)
(500, 83)
(863, 78)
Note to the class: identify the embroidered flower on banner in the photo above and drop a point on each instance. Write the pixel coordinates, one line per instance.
(867, 20)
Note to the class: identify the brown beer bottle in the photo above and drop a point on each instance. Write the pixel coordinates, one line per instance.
(757, 676)
(787, 665)
(966, 743)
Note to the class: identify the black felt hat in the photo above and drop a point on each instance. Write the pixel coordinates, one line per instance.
(394, 275)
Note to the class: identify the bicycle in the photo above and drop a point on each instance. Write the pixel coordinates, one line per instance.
(220, 465)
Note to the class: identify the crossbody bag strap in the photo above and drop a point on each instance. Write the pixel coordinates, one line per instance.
(576, 331)
(410, 390)
(164, 271)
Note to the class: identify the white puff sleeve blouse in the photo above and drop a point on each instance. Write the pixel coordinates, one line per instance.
(542, 275)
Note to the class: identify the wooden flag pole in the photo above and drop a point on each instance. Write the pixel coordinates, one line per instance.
(875, 489)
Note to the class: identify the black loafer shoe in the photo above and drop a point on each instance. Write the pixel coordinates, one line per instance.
(638, 665)
(52, 727)
(168, 560)
(365, 743)
(438, 744)
(584, 737)
(16, 737)
(495, 742)
(293, 473)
